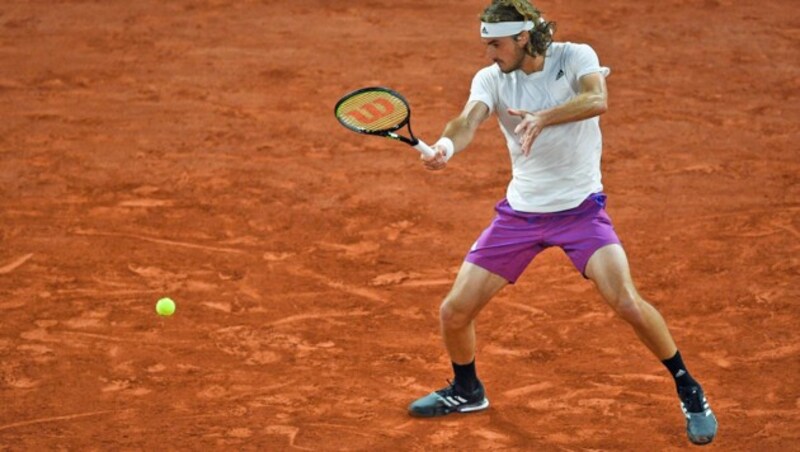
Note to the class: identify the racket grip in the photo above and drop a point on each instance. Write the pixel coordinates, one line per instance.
(424, 149)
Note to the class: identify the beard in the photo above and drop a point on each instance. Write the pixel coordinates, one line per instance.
(514, 64)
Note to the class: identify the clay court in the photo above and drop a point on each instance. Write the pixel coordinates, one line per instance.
(189, 149)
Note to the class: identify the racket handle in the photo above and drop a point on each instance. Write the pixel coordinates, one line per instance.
(424, 149)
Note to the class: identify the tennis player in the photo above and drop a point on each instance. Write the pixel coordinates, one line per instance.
(548, 97)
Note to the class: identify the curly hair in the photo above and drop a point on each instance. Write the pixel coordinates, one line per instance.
(518, 10)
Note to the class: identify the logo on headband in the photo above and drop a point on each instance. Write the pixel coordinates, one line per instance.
(502, 29)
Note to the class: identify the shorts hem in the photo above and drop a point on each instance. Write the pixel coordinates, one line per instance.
(595, 250)
(490, 269)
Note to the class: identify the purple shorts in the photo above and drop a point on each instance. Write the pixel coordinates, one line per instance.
(514, 238)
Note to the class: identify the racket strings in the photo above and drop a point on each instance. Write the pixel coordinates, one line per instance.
(373, 111)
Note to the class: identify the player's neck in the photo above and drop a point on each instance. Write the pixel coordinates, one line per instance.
(532, 64)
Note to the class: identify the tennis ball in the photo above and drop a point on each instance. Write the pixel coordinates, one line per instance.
(165, 306)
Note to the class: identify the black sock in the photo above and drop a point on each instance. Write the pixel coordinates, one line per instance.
(466, 378)
(679, 372)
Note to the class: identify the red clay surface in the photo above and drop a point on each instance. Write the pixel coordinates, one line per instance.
(188, 149)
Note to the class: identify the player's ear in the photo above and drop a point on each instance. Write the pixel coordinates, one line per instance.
(522, 39)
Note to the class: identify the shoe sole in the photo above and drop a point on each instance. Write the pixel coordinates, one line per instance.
(471, 408)
(482, 405)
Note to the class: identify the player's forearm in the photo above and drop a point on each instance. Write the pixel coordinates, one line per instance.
(582, 106)
(460, 132)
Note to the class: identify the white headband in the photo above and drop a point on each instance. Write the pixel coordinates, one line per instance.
(502, 29)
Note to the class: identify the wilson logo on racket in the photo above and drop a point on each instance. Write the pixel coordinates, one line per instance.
(379, 111)
(373, 110)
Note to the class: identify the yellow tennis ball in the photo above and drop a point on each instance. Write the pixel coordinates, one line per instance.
(165, 306)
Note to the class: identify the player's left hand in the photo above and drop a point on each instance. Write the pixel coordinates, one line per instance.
(530, 128)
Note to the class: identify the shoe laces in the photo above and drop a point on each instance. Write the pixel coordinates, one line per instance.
(692, 399)
(449, 390)
(453, 389)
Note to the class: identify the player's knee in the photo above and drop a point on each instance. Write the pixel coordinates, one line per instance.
(627, 304)
(453, 315)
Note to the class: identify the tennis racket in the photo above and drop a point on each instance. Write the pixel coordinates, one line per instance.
(379, 111)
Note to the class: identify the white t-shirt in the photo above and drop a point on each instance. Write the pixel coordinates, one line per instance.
(563, 167)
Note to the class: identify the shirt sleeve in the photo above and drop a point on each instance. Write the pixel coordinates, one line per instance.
(582, 60)
(484, 88)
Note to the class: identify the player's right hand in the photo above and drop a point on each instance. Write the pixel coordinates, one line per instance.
(438, 161)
